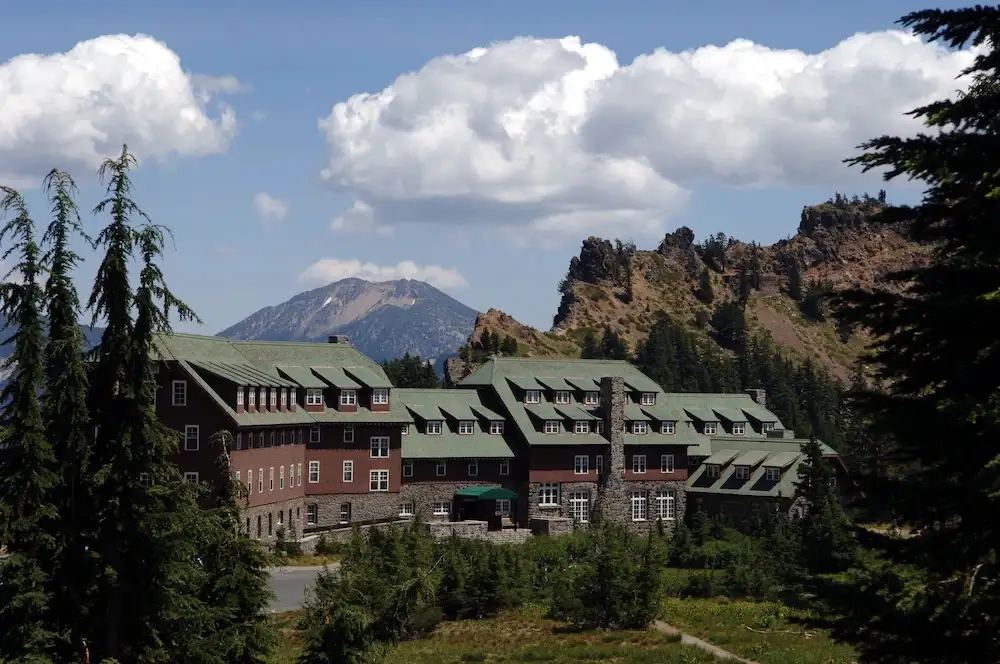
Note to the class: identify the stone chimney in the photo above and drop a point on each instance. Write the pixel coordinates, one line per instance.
(759, 395)
(612, 497)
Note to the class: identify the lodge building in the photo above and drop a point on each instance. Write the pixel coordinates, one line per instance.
(321, 439)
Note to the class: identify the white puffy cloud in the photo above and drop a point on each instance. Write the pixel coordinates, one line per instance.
(268, 207)
(555, 135)
(327, 270)
(73, 109)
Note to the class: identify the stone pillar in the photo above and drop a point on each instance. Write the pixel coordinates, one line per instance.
(758, 395)
(612, 496)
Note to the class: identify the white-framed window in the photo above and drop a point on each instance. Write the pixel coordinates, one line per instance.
(742, 472)
(271, 439)
(281, 517)
(466, 428)
(408, 468)
(270, 478)
(639, 505)
(496, 428)
(192, 438)
(639, 427)
(591, 398)
(739, 428)
(638, 463)
(473, 469)
(502, 507)
(772, 474)
(345, 512)
(239, 395)
(666, 463)
(551, 426)
(405, 430)
(380, 396)
(712, 470)
(407, 509)
(599, 463)
(666, 502)
(260, 480)
(581, 464)
(312, 514)
(239, 440)
(378, 480)
(441, 508)
(251, 397)
(284, 397)
(767, 426)
(648, 399)
(433, 428)
(600, 426)
(579, 506)
(263, 397)
(441, 468)
(314, 397)
(281, 477)
(249, 480)
(313, 472)
(314, 434)
(548, 494)
(347, 472)
(667, 428)
(191, 478)
(348, 433)
(562, 397)
(581, 426)
(532, 396)
(379, 447)
(348, 397)
(274, 397)
(179, 393)
(298, 474)
(505, 467)
(293, 396)
(709, 428)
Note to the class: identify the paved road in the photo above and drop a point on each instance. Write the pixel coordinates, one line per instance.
(289, 585)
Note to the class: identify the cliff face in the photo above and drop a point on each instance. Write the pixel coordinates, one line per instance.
(615, 285)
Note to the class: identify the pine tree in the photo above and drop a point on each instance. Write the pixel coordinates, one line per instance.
(589, 347)
(794, 280)
(704, 292)
(827, 542)
(28, 465)
(938, 600)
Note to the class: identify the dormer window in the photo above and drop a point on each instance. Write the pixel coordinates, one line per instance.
(434, 428)
(348, 397)
(742, 472)
(581, 427)
(648, 399)
(532, 396)
(767, 426)
(380, 396)
(639, 428)
(293, 398)
(274, 397)
(712, 471)
(239, 396)
(284, 398)
(600, 427)
(314, 397)
(551, 426)
(591, 399)
(252, 398)
(739, 428)
(466, 428)
(562, 397)
(709, 428)
(496, 428)
(667, 428)
(772, 474)
(263, 397)
(406, 430)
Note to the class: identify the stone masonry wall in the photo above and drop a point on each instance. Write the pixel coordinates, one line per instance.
(373, 506)
(552, 526)
(536, 511)
(467, 529)
(680, 504)
(293, 527)
(612, 495)
(423, 494)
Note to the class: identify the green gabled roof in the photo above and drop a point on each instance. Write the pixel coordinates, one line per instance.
(640, 382)
(435, 404)
(751, 458)
(702, 415)
(524, 382)
(721, 457)
(554, 383)
(486, 413)
(575, 413)
(458, 411)
(304, 354)
(634, 413)
(786, 452)
(584, 384)
(515, 368)
(543, 411)
(451, 445)
(242, 373)
(336, 377)
(303, 376)
(368, 378)
(426, 412)
(194, 347)
(756, 412)
(663, 413)
(730, 414)
(397, 414)
(732, 403)
(782, 459)
(653, 438)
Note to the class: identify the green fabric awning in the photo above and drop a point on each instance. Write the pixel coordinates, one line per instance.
(486, 493)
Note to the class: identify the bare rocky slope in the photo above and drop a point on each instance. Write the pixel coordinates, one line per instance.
(837, 244)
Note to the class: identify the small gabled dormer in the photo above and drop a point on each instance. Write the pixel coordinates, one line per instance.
(252, 399)
(647, 398)
(581, 426)
(532, 396)
(240, 398)
(314, 400)
(640, 427)
(496, 427)
(379, 399)
(433, 427)
(591, 398)
(466, 427)
(668, 427)
(561, 397)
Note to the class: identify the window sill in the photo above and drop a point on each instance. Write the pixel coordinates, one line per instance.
(549, 506)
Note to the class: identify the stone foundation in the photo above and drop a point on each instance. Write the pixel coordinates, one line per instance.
(536, 511)
(467, 529)
(651, 487)
(553, 526)
(288, 514)
(424, 494)
(375, 506)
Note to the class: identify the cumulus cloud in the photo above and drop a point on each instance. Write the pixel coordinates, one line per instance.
(327, 270)
(269, 208)
(76, 108)
(555, 135)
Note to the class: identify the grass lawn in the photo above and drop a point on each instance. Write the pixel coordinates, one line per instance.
(764, 632)
(309, 560)
(524, 636)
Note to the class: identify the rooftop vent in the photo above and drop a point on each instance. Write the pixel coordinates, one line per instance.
(338, 339)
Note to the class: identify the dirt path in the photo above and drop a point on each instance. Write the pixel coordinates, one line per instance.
(689, 640)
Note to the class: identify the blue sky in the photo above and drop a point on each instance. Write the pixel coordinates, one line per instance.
(295, 60)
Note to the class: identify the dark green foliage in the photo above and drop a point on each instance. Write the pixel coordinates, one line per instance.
(813, 304)
(589, 347)
(411, 371)
(704, 292)
(730, 325)
(938, 598)
(508, 346)
(794, 285)
(828, 543)
(713, 251)
(610, 347)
